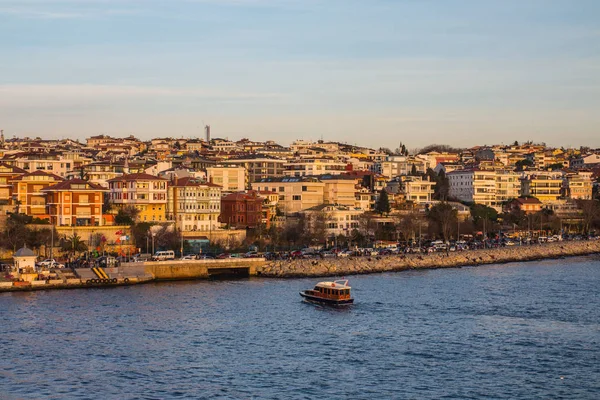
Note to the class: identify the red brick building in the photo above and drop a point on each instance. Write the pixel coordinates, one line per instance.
(242, 210)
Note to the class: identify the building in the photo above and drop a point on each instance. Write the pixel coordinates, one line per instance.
(314, 166)
(28, 197)
(230, 177)
(340, 220)
(194, 205)
(147, 193)
(295, 193)
(242, 210)
(488, 187)
(577, 187)
(259, 167)
(528, 205)
(417, 189)
(75, 202)
(403, 165)
(7, 174)
(340, 189)
(545, 186)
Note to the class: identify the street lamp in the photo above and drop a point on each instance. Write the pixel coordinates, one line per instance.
(153, 236)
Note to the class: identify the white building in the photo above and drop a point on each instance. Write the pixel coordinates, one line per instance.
(490, 188)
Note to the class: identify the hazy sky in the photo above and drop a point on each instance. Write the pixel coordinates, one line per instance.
(370, 72)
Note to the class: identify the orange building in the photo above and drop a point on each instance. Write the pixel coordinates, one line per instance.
(7, 174)
(75, 203)
(28, 196)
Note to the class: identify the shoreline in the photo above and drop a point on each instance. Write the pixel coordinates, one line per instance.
(328, 267)
(306, 268)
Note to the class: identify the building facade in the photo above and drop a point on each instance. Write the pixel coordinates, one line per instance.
(242, 210)
(75, 202)
(147, 193)
(194, 205)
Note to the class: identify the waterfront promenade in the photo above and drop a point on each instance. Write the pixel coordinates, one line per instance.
(365, 265)
(312, 267)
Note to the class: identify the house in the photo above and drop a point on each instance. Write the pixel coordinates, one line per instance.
(28, 196)
(194, 205)
(75, 202)
(147, 193)
(242, 210)
(295, 193)
(528, 205)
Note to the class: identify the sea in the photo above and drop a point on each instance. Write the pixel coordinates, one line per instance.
(510, 331)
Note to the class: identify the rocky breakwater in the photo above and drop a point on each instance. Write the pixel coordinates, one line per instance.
(364, 265)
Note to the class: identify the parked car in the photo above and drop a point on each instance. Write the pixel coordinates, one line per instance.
(223, 256)
(205, 257)
(141, 257)
(251, 254)
(47, 262)
(189, 257)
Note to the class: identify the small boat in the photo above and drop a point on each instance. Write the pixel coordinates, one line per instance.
(336, 293)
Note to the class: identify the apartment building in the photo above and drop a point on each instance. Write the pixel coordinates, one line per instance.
(75, 202)
(7, 174)
(259, 167)
(53, 163)
(230, 177)
(295, 193)
(147, 193)
(340, 189)
(418, 189)
(28, 196)
(577, 187)
(194, 205)
(402, 165)
(313, 166)
(545, 186)
(340, 220)
(490, 187)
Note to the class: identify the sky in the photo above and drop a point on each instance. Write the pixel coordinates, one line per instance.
(372, 73)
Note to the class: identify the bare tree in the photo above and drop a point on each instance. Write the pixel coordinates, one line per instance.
(445, 217)
(590, 211)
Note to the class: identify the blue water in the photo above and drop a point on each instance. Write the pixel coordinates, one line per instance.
(497, 332)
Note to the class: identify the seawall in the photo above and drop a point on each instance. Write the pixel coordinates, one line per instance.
(365, 265)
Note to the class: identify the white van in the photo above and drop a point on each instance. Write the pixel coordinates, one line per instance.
(164, 255)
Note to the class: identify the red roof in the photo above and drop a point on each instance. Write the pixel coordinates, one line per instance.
(136, 177)
(528, 200)
(189, 181)
(39, 173)
(14, 169)
(67, 185)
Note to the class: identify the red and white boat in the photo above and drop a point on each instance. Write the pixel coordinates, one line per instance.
(336, 293)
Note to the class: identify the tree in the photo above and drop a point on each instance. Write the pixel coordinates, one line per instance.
(15, 236)
(408, 225)
(556, 166)
(480, 212)
(127, 215)
(383, 203)
(521, 164)
(318, 228)
(73, 244)
(367, 225)
(107, 204)
(167, 238)
(140, 232)
(413, 170)
(590, 211)
(444, 216)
